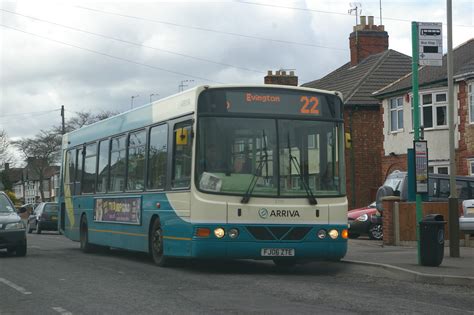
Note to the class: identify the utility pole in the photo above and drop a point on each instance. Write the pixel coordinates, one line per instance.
(416, 120)
(453, 198)
(63, 129)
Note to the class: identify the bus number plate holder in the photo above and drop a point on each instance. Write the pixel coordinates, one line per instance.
(277, 252)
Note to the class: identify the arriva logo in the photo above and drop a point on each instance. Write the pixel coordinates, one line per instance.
(263, 213)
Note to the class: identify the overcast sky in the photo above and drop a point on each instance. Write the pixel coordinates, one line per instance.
(93, 56)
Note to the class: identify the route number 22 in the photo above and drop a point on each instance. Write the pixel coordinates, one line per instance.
(310, 105)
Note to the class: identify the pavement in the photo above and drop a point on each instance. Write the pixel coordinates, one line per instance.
(401, 263)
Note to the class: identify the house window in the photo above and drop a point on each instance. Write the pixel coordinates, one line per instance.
(439, 169)
(471, 167)
(396, 114)
(470, 99)
(433, 110)
(443, 170)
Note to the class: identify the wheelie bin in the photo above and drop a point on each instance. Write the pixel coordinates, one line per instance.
(432, 240)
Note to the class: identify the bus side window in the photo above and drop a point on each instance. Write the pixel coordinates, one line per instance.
(88, 180)
(70, 170)
(118, 152)
(103, 166)
(182, 150)
(157, 157)
(78, 176)
(136, 160)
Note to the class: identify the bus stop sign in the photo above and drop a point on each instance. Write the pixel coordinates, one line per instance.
(430, 43)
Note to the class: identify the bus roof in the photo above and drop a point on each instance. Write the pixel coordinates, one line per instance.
(173, 106)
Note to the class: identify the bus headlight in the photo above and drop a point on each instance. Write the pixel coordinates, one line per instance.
(233, 233)
(333, 234)
(219, 232)
(322, 234)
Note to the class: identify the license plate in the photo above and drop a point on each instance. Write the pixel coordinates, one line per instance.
(277, 252)
(469, 210)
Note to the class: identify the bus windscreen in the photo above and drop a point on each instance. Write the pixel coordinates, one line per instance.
(270, 101)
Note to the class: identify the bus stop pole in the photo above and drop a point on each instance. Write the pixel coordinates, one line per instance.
(453, 222)
(416, 120)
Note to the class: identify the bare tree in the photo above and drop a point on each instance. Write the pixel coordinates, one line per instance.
(5, 156)
(82, 119)
(41, 151)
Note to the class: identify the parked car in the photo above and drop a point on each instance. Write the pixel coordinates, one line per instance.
(12, 228)
(466, 221)
(365, 221)
(44, 218)
(438, 190)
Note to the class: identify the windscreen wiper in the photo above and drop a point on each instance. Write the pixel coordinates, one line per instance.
(253, 182)
(312, 200)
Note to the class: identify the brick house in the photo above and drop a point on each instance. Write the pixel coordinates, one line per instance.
(372, 66)
(433, 102)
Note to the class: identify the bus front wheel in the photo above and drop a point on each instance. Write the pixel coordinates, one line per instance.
(157, 245)
(86, 247)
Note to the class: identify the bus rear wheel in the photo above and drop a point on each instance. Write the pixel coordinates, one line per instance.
(157, 245)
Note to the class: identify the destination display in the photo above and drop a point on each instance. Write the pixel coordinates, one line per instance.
(270, 101)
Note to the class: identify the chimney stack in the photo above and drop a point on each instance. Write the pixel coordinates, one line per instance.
(367, 39)
(281, 77)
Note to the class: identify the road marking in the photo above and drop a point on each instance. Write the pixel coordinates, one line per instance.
(61, 310)
(14, 286)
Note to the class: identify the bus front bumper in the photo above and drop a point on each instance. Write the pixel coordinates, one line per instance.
(322, 250)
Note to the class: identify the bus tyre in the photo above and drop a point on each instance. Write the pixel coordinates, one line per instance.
(86, 247)
(157, 245)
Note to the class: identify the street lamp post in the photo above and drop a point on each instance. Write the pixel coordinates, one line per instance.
(182, 85)
(152, 94)
(131, 101)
